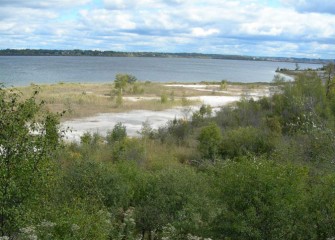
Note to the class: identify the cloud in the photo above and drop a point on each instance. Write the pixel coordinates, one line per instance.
(320, 6)
(43, 4)
(200, 32)
(101, 19)
(248, 27)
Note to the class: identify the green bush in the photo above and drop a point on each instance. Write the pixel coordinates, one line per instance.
(209, 141)
(246, 140)
(260, 200)
(28, 139)
(118, 134)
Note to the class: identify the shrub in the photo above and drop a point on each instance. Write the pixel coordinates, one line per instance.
(246, 140)
(209, 141)
(119, 133)
(260, 200)
(28, 139)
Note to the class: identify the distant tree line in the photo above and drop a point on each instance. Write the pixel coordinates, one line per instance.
(78, 52)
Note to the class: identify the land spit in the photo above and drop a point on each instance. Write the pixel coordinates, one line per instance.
(94, 108)
(133, 120)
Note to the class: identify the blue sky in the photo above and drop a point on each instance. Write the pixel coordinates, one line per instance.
(287, 28)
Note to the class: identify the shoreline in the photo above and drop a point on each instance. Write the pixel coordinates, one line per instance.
(98, 53)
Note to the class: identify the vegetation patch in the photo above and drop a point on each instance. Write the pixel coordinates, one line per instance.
(124, 94)
(263, 169)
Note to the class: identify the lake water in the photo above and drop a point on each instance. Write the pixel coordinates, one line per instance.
(23, 70)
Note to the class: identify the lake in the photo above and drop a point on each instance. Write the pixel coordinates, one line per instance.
(24, 70)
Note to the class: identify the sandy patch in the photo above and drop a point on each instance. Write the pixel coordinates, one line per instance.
(230, 91)
(102, 123)
(136, 99)
(215, 101)
(200, 86)
(133, 120)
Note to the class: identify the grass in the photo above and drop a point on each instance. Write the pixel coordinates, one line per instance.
(83, 100)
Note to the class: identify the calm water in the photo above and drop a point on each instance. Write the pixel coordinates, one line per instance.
(20, 71)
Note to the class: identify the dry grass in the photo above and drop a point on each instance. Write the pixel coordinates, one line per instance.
(82, 100)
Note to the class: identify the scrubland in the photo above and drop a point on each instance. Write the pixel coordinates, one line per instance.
(261, 169)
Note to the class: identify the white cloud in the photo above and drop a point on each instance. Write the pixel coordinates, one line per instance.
(43, 3)
(321, 6)
(133, 4)
(249, 27)
(101, 19)
(200, 32)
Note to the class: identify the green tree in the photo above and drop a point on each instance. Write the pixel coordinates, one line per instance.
(198, 117)
(321, 207)
(209, 141)
(28, 138)
(259, 199)
(205, 110)
(164, 200)
(121, 81)
(223, 85)
(329, 75)
(118, 134)
(246, 140)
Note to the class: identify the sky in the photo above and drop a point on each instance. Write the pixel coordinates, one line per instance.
(279, 28)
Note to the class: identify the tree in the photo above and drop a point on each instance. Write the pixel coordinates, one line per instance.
(118, 134)
(198, 117)
(329, 75)
(205, 110)
(259, 199)
(209, 141)
(28, 137)
(121, 81)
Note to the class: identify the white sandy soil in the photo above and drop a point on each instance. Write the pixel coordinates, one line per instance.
(133, 120)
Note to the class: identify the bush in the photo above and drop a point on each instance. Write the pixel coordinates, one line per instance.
(260, 200)
(209, 141)
(28, 139)
(118, 134)
(246, 140)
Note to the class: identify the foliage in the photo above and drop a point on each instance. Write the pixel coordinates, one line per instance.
(119, 99)
(121, 81)
(146, 130)
(262, 169)
(164, 98)
(329, 76)
(28, 138)
(198, 117)
(209, 141)
(260, 200)
(118, 133)
(245, 140)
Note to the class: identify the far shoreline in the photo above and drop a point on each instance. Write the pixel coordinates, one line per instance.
(99, 53)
